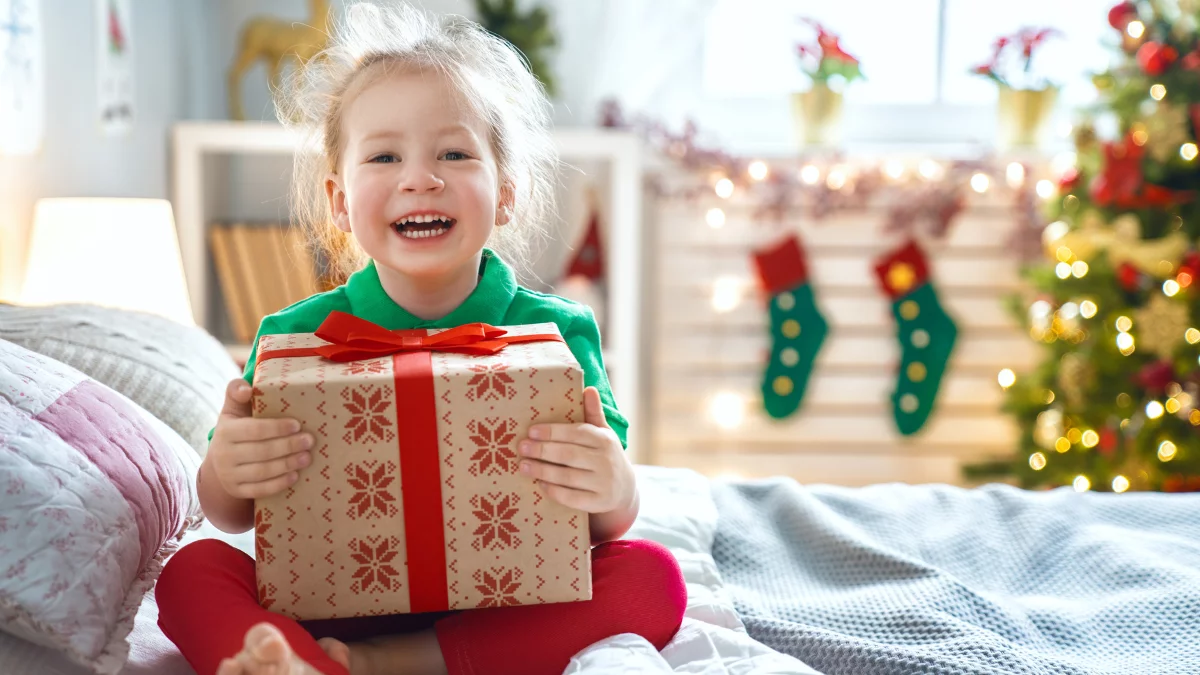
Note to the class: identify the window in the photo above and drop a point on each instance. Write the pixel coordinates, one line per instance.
(916, 56)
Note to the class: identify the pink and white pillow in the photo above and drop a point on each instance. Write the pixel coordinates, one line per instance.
(94, 493)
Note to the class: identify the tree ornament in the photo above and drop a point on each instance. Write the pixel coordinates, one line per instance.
(1076, 376)
(1129, 277)
(1156, 377)
(1121, 182)
(1155, 58)
(1167, 128)
(1160, 325)
(1049, 428)
(1124, 244)
(1108, 441)
(1121, 14)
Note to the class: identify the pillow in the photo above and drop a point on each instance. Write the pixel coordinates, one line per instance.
(94, 494)
(177, 373)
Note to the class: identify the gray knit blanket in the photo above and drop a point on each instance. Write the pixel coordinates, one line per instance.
(937, 579)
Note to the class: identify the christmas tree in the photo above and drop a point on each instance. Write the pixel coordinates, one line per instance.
(1115, 404)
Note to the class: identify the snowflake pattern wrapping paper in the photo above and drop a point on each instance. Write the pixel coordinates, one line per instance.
(413, 501)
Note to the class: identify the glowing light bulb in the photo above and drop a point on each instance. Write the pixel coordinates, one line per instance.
(1045, 189)
(1037, 461)
(1015, 174)
(1158, 92)
(727, 293)
(980, 182)
(727, 409)
(810, 174)
(1120, 484)
(894, 169)
(1006, 378)
(836, 179)
(1154, 410)
(1188, 151)
(1081, 483)
(1079, 269)
(1170, 287)
(1166, 451)
(1088, 309)
(1062, 270)
(1090, 439)
(715, 218)
(1124, 323)
(929, 169)
(1135, 29)
(1055, 231)
(1192, 335)
(757, 170)
(724, 188)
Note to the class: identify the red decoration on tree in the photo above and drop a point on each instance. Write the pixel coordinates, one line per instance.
(1108, 441)
(1121, 183)
(1156, 377)
(1191, 60)
(1189, 266)
(1129, 277)
(1069, 180)
(589, 259)
(1155, 58)
(1121, 14)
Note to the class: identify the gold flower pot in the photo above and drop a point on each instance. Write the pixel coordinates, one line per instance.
(1022, 116)
(817, 114)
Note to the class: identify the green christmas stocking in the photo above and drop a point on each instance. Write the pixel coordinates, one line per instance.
(797, 327)
(926, 333)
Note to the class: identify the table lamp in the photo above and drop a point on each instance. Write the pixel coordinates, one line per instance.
(121, 253)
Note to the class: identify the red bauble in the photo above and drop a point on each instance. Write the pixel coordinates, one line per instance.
(1156, 377)
(1129, 277)
(1068, 180)
(1191, 265)
(1120, 15)
(1108, 442)
(1155, 58)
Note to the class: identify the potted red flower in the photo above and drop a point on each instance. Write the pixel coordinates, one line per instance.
(1026, 99)
(818, 111)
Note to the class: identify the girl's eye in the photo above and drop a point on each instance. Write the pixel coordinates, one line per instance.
(454, 154)
(384, 159)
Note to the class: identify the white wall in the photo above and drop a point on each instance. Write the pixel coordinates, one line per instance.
(183, 51)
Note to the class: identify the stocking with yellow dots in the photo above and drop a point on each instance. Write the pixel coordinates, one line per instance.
(926, 333)
(797, 327)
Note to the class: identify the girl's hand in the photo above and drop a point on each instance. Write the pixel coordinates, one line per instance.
(251, 457)
(581, 465)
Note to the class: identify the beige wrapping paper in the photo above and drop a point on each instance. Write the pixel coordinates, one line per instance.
(335, 544)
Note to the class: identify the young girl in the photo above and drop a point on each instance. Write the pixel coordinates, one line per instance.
(436, 142)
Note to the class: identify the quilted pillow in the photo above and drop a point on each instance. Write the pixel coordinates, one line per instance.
(94, 493)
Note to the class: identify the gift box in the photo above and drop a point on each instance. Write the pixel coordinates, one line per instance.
(413, 501)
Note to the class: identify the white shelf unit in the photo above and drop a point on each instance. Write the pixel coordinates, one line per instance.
(622, 151)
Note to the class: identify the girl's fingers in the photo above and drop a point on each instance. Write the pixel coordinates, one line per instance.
(248, 429)
(576, 499)
(566, 476)
(567, 454)
(253, 452)
(267, 488)
(262, 471)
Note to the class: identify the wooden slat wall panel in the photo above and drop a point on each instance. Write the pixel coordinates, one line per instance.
(844, 431)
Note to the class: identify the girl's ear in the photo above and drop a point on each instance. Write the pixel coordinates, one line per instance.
(338, 210)
(504, 209)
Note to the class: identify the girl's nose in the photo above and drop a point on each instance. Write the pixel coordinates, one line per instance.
(420, 179)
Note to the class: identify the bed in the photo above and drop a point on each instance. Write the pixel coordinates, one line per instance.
(783, 577)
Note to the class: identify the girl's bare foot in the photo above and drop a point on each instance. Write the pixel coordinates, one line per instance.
(267, 652)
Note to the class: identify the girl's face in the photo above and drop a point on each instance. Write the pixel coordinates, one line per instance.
(418, 184)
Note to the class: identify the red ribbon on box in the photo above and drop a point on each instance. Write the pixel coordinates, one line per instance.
(351, 339)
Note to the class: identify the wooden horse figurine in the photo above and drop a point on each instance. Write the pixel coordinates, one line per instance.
(274, 40)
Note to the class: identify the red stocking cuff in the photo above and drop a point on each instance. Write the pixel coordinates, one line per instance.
(781, 267)
(902, 270)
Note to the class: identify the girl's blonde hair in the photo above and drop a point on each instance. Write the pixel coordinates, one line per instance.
(373, 41)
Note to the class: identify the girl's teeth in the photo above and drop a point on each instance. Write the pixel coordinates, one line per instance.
(423, 234)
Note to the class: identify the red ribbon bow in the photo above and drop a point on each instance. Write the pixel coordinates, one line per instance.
(351, 338)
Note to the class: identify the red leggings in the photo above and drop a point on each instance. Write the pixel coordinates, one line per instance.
(207, 601)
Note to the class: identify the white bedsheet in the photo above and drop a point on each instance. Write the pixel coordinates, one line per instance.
(677, 510)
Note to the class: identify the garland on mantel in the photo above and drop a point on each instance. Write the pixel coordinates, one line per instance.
(922, 198)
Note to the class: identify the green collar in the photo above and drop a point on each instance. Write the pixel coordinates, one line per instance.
(488, 303)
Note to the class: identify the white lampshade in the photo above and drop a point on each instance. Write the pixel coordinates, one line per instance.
(120, 253)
